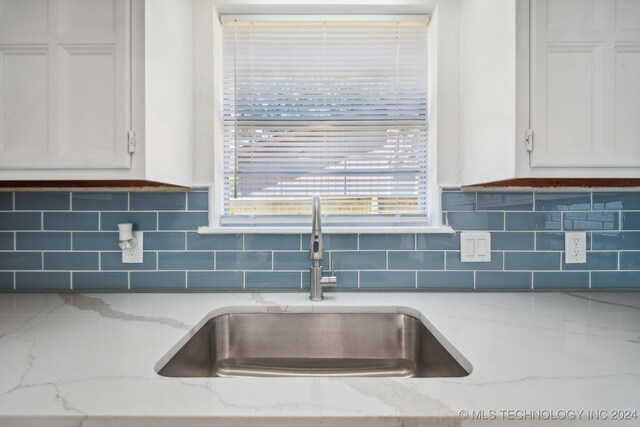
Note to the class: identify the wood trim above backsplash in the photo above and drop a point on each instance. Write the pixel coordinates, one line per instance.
(89, 185)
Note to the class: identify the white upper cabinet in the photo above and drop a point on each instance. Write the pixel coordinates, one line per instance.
(585, 83)
(564, 72)
(64, 84)
(96, 90)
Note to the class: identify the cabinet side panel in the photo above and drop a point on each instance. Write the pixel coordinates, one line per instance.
(169, 91)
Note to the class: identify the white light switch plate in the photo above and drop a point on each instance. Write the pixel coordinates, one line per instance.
(135, 255)
(475, 246)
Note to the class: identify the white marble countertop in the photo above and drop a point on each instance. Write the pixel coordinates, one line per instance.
(88, 360)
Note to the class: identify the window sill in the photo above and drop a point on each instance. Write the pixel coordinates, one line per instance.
(443, 229)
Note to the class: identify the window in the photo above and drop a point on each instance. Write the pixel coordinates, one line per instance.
(333, 108)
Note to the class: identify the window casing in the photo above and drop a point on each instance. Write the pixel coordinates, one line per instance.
(337, 109)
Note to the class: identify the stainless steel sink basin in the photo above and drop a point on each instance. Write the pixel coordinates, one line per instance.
(338, 344)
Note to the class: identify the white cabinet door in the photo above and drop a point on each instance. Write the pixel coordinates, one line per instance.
(585, 83)
(64, 84)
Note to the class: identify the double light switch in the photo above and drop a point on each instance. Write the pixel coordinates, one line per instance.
(475, 247)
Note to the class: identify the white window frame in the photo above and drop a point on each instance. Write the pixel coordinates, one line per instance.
(281, 225)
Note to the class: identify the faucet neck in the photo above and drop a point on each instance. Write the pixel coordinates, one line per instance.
(316, 248)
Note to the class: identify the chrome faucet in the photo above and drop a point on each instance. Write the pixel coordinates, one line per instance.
(316, 255)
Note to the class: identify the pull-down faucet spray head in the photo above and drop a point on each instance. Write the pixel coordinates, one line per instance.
(316, 248)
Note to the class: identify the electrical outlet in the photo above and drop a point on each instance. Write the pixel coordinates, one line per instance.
(575, 247)
(135, 254)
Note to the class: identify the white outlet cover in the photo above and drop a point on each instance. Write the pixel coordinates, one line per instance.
(475, 246)
(575, 247)
(135, 255)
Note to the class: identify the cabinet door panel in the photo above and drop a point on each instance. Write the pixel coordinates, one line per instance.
(572, 15)
(627, 100)
(24, 16)
(585, 83)
(573, 104)
(68, 106)
(24, 104)
(627, 15)
(92, 131)
(90, 16)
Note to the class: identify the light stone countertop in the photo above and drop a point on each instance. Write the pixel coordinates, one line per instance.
(89, 360)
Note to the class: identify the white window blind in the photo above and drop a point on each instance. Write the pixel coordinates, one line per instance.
(335, 109)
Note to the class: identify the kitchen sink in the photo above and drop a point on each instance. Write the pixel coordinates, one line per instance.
(331, 344)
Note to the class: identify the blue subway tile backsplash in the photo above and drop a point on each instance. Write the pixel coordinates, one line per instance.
(249, 260)
(164, 240)
(503, 240)
(6, 201)
(615, 279)
(39, 201)
(387, 241)
(629, 200)
(416, 260)
(43, 281)
(630, 260)
(446, 279)
(254, 242)
(52, 241)
(505, 201)
(476, 220)
(459, 201)
(185, 260)
(521, 221)
(71, 261)
(563, 201)
(168, 201)
(181, 220)
(215, 279)
(27, 240)
(6, 241)
(272, 280)
(560, 280)
(6, 280)
(388, 279)
(198, 201)
(210, 242)
(20, 260)
(100, 201)
(20, 220)
(503, 280)
(98, 280)
(158, 280)
(70, 220)
(532, 261)
(97, 241)
(590, 221)
(630, 221)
